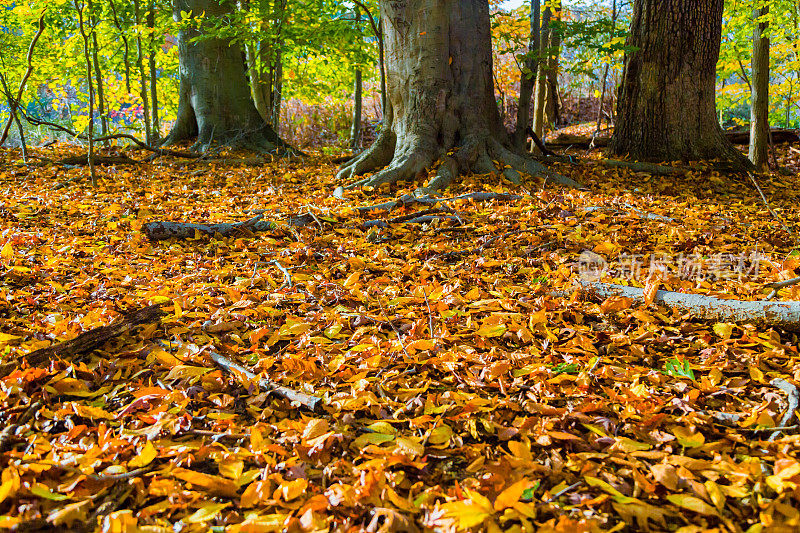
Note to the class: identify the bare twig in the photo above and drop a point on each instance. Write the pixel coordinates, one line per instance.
(781, 285)
(312, 403)
(563, 491)
(766, 203)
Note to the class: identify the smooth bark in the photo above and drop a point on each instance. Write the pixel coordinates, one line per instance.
(355, 128)
(215, 103)
(137, 15)
(441, 104)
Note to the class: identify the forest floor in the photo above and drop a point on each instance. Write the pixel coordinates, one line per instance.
(464, 382)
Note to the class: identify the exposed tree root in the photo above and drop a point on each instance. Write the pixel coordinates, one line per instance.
(785, 315)
(478, 154)
(163, 230)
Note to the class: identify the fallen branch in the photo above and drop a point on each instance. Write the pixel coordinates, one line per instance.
(784, 315)
(98, 160)
(794, 401)
(161, 231)
(89, 340)
(781, 285)
(312, 403)
(410, 199)
(641, 214)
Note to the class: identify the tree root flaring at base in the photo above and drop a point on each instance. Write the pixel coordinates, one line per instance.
(476, 155)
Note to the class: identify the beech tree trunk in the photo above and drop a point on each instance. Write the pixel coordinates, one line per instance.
(215, 103)
(528, 78)
(759, 105)
(667, 108)
(441, 98)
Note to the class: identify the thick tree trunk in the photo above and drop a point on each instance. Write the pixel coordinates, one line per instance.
(667, 108)
(441, 98)
(759, 105)
(215, 103)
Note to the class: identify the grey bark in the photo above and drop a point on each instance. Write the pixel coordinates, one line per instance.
(440, 98)
(87, 58)
(98, 75)
(215, 103)
(759, 106)
(765, 313)
(667, 107)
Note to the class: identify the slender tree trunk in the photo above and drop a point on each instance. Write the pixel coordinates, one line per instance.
(541, 76)
(87, 58)
(759, 106)
(277, 90)
(151, 61)
(98, 75)
(604, 79)
(125, 49)
(142, 76)
(355, 129)
(551, 110)
(215, 103)
(667, 107)
(259, 84)
(441, 98)
(528, 78)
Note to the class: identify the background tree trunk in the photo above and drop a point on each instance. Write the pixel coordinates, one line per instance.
(215, 103)
(355, 128)
(528, 78)
(759, 105)
(151, 62)
(541, 75)
(137, 15)
(551, 107)
(441, 97)
(667, 107)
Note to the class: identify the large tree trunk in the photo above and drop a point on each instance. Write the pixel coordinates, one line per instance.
(441, 98)
(215, 103)
(667, 108)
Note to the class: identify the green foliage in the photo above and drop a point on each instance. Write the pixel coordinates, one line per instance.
(678, 368)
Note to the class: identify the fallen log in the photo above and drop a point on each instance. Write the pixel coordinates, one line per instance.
(98, 160)
(566, 140)
(778, 136)
(161, 231)
(785, 315)
(410, 199)
(312, 403)
(88, 340)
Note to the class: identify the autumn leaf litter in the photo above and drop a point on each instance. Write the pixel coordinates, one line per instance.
(460, 391)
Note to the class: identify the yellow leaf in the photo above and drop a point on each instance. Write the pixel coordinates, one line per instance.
(723, 329)
(511, 495)
(69, 514)
(410, 447)
(292, 489)
(231, 468)
(422, 344)
(491, 330)
(207, 512)
(145, 457)
(692, 504)
(7, 252)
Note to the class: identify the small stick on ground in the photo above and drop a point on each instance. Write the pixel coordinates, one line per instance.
(781, 285)
(766, 203)
(312, 403)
